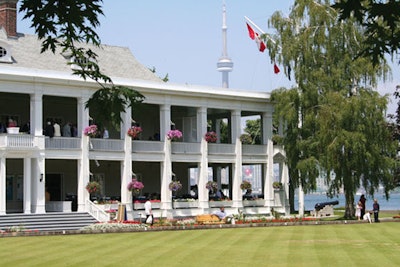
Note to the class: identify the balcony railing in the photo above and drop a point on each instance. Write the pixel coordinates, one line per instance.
(183, 148)
(106, 144)
(147, 146)
(62, 143)
(20, 141)
(221, 149)
(254, 149)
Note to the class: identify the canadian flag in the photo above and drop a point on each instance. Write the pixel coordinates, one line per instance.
(255, 36)
(276, 69)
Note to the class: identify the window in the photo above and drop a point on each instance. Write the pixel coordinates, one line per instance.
(3, 51)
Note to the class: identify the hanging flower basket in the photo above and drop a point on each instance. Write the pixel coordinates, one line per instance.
(174, 135)
(93, 187)
(135, 186)
(212, 186)
(277, 185)
(211, 137)
(91, 130)
(245, 185)
(175, 186)
(135, 132)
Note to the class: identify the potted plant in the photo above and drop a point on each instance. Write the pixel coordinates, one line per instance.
(175, 186)
(93, 187)
(212, 186)
(174, 135)
(277, 185)
(245, 185)
(91, 130)
(135, 186)
(211, 137)
(134, 132)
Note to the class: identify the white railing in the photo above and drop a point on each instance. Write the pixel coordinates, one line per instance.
(20, 141)
(221, 148)
(147, 146)
(97, 212)
(60, 143)
(180, 148)
(254, 149)
(106, 144)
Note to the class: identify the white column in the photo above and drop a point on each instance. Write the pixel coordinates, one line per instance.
(165, 121)
(27, 185)
(83, 162)
(126, 164)
(269, 174)
(237, 194)
(236, 125)
(203, 175)
(285, 182)
(38, 184)
(36, 113)
(83, 114)
(301, 201)
(3, 185)
(201, 123)
(83, 174)
(267, 127)
(166, 178)
(217, 124)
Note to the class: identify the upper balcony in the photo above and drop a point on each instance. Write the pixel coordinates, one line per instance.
(21, 143)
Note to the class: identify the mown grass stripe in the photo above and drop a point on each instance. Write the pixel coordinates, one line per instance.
(319, 245)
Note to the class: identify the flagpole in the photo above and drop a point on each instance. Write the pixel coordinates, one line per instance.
(260, 30)
(255, 25)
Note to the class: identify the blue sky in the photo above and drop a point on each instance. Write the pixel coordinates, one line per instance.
(183, 38)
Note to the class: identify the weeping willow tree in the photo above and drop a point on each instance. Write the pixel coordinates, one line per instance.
(334, 122)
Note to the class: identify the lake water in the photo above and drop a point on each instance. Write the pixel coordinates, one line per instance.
(310, 200)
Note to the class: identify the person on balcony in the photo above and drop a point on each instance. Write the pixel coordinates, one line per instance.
(49, 130)
(67, 130)
(57, 129)
(105, 133)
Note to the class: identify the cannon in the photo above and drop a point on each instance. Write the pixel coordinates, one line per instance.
(320, 206)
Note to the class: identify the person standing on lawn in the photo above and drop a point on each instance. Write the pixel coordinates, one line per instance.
(362, 200)
(375, 208)
(148, 211)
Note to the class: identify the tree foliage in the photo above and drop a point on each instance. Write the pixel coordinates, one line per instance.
(330, 115)
(68, 24)
(381, 19)
(253, 129)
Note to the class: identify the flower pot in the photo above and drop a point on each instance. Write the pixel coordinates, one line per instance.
(13, 130)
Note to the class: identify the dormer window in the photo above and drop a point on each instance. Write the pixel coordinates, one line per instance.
(5, 53)
(79, 63)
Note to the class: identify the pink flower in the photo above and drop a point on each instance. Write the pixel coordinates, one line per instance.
(174, 135)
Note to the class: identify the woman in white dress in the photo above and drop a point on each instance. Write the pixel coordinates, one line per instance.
(358, 210)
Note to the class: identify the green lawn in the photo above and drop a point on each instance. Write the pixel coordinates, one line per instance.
(312, 245)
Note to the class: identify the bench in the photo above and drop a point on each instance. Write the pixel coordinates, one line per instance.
(208, 219)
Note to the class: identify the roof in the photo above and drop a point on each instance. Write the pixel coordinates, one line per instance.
(114, 61)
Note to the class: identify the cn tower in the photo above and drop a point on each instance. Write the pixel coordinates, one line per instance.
(225, 64)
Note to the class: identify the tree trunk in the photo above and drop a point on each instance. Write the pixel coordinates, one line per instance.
(291, 198)
(349, 208)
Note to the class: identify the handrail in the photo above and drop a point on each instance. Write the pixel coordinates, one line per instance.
(98, 213)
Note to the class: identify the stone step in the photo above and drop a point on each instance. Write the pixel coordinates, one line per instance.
(47, 222)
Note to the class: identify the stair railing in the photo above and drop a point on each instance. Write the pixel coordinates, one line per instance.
(97, 212)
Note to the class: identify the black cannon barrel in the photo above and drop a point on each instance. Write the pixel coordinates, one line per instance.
(320, 206)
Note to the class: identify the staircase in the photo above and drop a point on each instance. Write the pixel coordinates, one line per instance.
(54, 221)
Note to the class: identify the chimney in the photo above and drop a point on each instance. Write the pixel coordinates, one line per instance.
(8, 16)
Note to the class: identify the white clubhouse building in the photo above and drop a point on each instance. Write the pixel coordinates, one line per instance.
(38, 88)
